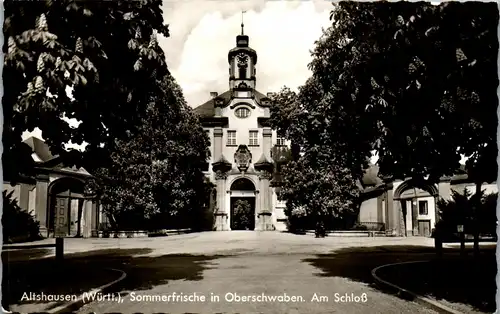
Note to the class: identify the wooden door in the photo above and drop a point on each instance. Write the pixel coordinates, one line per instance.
(424, 228)
(61, 207)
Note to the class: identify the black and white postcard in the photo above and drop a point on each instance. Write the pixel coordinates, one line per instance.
(225, 156)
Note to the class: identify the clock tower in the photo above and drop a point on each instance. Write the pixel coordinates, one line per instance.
(242, 60)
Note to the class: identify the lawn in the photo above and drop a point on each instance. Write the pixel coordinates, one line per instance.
(465, 284)
(453, 279)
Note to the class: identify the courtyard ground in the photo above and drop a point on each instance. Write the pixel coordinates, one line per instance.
(241, 263)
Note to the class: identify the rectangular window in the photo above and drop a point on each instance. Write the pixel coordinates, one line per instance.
(280, 141)
(242, 95)
(253, 138)
(231, 138)
(422, 208)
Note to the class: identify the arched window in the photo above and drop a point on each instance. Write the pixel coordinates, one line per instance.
(242, 112)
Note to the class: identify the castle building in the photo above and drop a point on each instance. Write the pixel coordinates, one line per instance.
(241, 167)
(241, 141)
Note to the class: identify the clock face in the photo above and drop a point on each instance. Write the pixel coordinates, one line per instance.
(242, 60)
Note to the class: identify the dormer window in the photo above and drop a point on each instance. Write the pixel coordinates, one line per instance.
(242, 112)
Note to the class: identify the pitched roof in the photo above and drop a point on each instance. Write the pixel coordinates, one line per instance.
(207, 109)
(40, 149)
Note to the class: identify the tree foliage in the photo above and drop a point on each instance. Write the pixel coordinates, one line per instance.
(459, 211)
(145, 147)
(318, 178)
(107, 52)
(414, 81)
(420, 79)
(243, 215)
(18, 224)
(155, 176)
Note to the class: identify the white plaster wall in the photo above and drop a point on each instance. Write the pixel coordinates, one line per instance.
(243, 128)
(32, 201)
(368, 210)
(396, 184)
(409, 216)
(86, 219)
(54, 176)
(17, 190)
(431, 213)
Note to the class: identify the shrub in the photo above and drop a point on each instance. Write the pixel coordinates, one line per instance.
(18, 224)
(297, 220)
(458, 211)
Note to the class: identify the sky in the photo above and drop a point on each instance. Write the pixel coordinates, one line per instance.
(203, 31)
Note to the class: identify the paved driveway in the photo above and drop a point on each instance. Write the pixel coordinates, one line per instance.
(243, 271)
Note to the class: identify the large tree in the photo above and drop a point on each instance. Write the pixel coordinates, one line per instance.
(426, 76)
(145, 147)
(106, 51)
(414, 81)
(155, 178)
(318, 178)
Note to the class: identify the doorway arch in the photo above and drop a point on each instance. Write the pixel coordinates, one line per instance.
(66, 198)
(417, 202)
(242, 202)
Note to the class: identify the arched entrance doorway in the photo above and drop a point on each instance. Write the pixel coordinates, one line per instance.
(417, 202)
(66, 207)
(242, 205)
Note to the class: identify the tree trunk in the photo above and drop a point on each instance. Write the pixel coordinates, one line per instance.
(476, 206)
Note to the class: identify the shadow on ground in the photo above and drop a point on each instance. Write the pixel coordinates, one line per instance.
(80, 272)
(22, 255)
(455, 279)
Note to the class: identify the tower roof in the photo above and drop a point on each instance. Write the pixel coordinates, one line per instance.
(242, 44)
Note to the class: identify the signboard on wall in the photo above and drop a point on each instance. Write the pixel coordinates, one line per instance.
(61, 217)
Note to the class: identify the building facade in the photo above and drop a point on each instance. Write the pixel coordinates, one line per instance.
(408, 207)
(241, 140)
(55, 195)
(241, 167)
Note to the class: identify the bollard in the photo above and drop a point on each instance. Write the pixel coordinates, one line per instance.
(59, 249)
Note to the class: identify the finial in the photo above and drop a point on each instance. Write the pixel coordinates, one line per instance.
(242, 24)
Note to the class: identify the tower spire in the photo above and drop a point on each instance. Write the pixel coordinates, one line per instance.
(242, 24)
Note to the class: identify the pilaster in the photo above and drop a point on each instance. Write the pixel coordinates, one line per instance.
(217, 143)
(265, 212)
(41, 202)
(394, 211)
(267, 134)
(221, 215)
(94, 218)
